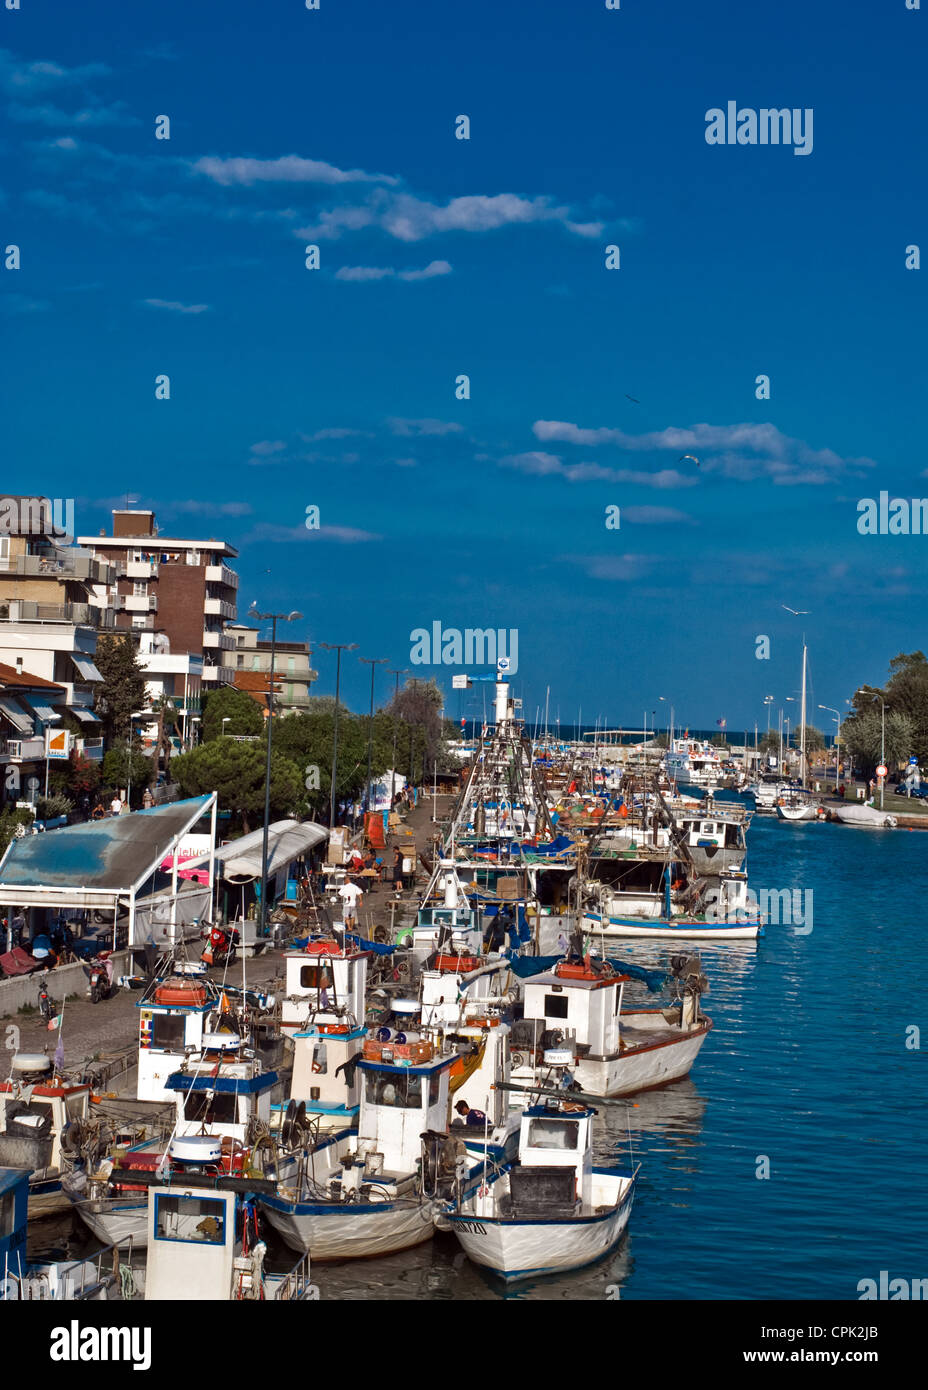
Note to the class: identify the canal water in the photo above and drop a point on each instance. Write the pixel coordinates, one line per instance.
(791, 1163)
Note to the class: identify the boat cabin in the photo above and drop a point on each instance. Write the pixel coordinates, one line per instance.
(325, 985)
(221, 1095)
(14, 1201)
(580, 1002)
(554, 1174)
(400, 1100)
(35, 1108)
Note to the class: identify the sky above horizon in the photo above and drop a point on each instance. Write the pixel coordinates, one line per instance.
(590, 388)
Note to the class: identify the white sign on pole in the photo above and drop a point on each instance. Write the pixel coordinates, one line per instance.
(57, 743)
(459, 682)
(881, 770)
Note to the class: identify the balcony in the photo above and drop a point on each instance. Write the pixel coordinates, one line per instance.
(220, 640)
(141, 569)
(218, 608)
(77, 614)
(221, 574)
(60, 565)
(23, 749)
(90, 748)
(222, 674)
(137, 603)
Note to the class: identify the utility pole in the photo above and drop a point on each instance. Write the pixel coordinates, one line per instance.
(338, 647)
(371, 661)
(396, 693)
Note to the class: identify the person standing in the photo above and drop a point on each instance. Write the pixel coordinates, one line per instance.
(116, 804)
(397, 870)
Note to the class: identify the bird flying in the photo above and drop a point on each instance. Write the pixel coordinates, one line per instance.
(797, 612)
(631, 398)
(691, 457)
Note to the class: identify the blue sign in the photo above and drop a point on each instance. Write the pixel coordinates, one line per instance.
(913, 761)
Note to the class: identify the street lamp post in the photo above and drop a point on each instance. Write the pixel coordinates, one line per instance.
(396, 692)
(882, 748)
(837, 739)
(274, 619)
(371, 661)
(226, 719)
(338, 647)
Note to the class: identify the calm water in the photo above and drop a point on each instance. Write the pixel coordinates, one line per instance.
(806, 1064)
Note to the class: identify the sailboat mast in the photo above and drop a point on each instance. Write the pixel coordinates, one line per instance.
(802, 734)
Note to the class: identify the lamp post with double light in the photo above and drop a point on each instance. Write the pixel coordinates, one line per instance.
(338, 647)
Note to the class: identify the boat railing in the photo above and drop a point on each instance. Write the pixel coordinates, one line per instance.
(296, 1284)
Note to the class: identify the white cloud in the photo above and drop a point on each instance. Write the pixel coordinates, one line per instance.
(398, 425)
(176, 307)
(291, 168)
(266, 531)
(264, 447)
(408, 218)
(116, 114)
(742, 451)
(552, 465)
(372, 272)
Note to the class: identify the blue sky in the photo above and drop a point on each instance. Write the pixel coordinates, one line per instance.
(335, 387)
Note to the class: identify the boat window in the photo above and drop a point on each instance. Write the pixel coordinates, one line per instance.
(315, 977)
(76, 1105)
(553, 1134)
(556, 1005)
(167, 1032)
(199, 1219)
(434, 1088)
(216, 1109)
(403, 1092)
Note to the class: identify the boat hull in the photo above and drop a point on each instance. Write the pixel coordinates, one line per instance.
(683, 927)
(640, 1068)
(515, 1249)
(350, 1230)
(115, 1221)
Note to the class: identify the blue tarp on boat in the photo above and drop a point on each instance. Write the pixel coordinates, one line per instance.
(526, 966)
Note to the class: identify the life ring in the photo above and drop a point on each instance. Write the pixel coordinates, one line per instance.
(317, 1068)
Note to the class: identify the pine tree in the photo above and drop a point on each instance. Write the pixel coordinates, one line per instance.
(121, 693)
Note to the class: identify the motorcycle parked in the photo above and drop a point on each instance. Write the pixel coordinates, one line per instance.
(221, 944)
(99, 972)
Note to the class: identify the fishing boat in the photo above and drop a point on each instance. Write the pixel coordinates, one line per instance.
(93, 1279)
(400, 1166)
(577, 1008)
(727, 914)
(323, 1013)
(553, 1210)
(36, 1108)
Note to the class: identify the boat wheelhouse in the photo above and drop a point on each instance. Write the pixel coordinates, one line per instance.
(37, 1108)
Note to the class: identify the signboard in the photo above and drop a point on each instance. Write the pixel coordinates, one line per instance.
(913, 761)
(57, 743)
(881, 770)
(459, 682)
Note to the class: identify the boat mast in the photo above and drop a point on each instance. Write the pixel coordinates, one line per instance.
(802, 733)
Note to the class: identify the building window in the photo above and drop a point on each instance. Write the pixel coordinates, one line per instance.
(256, 663)
(139, 587)
(291, 665)
(240, 662)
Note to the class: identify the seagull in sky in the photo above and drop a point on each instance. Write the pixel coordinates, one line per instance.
(691, 457)
(797, 612)
(631, 398)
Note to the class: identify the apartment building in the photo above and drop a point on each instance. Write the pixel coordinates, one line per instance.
(50, 609)
(293, 673)
(185, 590)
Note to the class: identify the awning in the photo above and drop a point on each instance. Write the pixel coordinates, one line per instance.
(17, 716)
(286, 841)
(223, 1085)
(86, 668)
(43, 712)
(86, 716)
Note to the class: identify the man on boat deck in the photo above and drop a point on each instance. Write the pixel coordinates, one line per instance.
(469, 1116)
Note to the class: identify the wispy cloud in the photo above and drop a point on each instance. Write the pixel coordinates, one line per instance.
(409, 218)
(373, 272)
(207, 508)
(115, 114)
(399, 425)
(290, 168)
(552, 465)
(265, 447)
(742, 451)
(336, 433)
(43, 76)
(176, 307)
(13, 303)
(269, 531)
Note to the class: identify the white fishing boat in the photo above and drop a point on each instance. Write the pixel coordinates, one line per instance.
(323, 1012)
(22, 1279)
(866, 816)
(727, 915)
(37, 1106)
(401, 1164)
(553, 1210)
(578, 1008)
(693, 762)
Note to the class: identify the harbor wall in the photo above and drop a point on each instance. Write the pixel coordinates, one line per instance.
(60, 982)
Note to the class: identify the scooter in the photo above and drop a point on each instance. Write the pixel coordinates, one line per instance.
(99, 972)
(221, 944)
